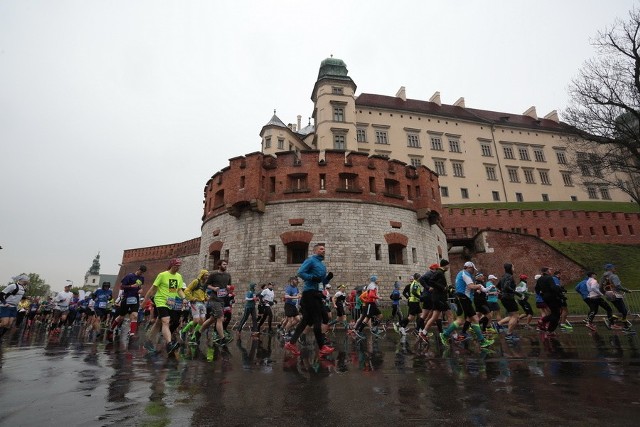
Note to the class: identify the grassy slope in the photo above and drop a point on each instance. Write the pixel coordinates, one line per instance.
(595, 256)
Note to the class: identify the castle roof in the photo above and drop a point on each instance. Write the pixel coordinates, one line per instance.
(275, 121)
(458, 112)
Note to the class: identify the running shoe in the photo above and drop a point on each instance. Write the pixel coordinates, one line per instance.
(172, 346)
(403, 332)
(565, 327)
(627, 324)
(444, 339)
(396, 327)
(292, 348)
(512, 338)
(460, 338)
(566, 322)
(183, 336)
(376, 333)
(326, 350)
(486, 343)
(607, 323)
(591, 326)
(359, 334)
(423, 336)
(149, 347)
(489, 330)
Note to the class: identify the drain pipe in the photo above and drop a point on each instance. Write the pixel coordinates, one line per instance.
(495, 147)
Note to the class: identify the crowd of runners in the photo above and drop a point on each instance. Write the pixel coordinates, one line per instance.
(175, 313)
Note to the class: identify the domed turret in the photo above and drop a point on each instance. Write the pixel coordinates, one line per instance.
(333, 67)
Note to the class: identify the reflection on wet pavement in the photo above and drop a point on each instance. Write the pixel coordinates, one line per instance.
(574, 379)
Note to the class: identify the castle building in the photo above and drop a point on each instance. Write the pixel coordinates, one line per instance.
(369, 179)
(480, 156)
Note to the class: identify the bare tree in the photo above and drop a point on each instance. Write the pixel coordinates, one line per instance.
(605, 109)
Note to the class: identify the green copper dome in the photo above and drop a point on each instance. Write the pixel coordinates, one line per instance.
(332, 67)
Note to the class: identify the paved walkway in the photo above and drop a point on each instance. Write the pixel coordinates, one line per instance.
(579, 378)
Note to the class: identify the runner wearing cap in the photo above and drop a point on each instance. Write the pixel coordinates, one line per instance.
(522, 295)
(61, 309)
(10, 296)
(465, 286)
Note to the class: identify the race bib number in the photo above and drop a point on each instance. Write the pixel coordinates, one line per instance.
(102, 304)
(132, 300)
(171, 302)
(222, 292)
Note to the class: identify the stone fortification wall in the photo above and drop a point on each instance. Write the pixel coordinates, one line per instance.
(357, 236)
(156, 259)
(527, 254)
(559, 225)
(255, 180)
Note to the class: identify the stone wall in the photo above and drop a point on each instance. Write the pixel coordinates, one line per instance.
(559, 225)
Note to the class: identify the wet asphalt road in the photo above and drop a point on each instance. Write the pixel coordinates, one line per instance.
(577, 379)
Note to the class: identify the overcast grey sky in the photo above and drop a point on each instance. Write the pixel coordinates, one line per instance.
(113, 114)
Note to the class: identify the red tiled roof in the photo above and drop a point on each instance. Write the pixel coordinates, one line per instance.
(452, 111)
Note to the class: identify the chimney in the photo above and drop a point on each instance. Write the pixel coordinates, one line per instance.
(531, 112)
(299, 122)
(553, 116)
(402, 94)
(436, 98)
(459, 103)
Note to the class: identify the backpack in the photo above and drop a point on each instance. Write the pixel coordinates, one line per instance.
(13, 292)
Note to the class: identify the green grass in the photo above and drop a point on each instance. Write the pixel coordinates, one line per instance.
(595, 255)
(574, 206)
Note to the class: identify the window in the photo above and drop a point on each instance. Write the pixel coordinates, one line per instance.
(348, 181)
(414, 254)
(544, 177)
(297, 252)
(338, 114)
(413, 140)
(272, 184)
(361, 135)
(454, 146)
(378, 252)
(444, 191)
(604, 193)
(280, 144)
(464, 193)
(491, 173)
(584, 169)
(513, 174)
(372, 184)
(297, 182)
(496, 196)
(338, 142)
(519, 197)
(486, 149)
(574, 198)
(528, 176)
(323, 181)
(539, 155)
(562, 158)
(436, 143)
(272, 253)
(545, 198)
(336, 90)
(267, 142)
(458, 170)
(391, 187)
(508, 152)
(566, 178)
(395, 253)
(416, 162)
(523, 152)
(381, 137)
(440, 168)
